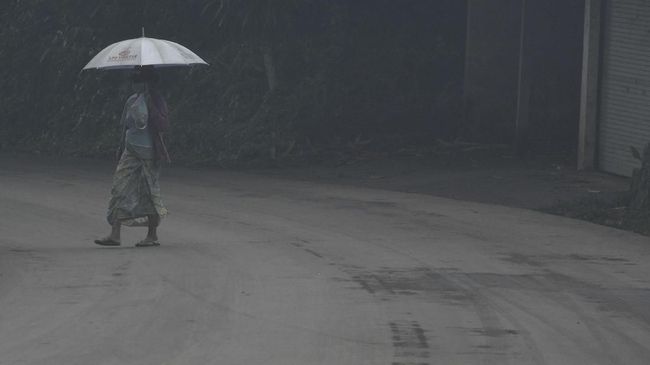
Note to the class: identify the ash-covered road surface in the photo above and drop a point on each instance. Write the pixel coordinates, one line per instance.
(256, 270)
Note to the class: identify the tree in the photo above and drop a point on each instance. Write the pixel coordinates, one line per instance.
(265, 23)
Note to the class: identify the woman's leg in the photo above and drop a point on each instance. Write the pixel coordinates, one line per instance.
(152, 234)
(116, 230)
(113, 239)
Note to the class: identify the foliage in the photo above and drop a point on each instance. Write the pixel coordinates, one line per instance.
(629, 211)
(345, 70)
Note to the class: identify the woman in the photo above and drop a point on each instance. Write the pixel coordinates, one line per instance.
(135, 195)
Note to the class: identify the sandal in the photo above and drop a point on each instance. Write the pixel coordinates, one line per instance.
(107, 242)
(147, 243)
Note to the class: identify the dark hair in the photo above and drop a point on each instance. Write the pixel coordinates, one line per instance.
(144, 74)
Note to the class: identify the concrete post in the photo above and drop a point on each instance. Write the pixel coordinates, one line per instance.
(522, 121)
(587, 134)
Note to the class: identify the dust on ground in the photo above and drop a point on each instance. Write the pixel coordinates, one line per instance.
(541, 184)
(549, 184)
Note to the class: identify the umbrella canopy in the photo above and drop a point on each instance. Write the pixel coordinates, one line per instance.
(143, 51)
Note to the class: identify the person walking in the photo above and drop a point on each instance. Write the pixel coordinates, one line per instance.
(135, 193)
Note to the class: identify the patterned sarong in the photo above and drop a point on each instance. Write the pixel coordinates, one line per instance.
(135, 194)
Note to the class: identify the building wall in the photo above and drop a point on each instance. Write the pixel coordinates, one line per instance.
(624, 85)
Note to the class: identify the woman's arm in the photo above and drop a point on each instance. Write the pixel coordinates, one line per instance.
(121, 146)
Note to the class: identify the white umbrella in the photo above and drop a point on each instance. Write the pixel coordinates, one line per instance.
(143, 51)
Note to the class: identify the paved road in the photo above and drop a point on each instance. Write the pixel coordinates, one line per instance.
(258, 270)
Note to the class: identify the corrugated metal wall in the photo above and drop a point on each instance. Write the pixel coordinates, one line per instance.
(624, 118)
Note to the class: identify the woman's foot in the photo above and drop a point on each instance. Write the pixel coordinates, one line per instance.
(107, 241)
(148, 242)
(113, 239)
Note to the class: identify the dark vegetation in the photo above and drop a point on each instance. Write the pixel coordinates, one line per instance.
(629, 210)
(306, 80)
(614, 210)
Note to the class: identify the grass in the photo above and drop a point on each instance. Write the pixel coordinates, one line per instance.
(609, 211)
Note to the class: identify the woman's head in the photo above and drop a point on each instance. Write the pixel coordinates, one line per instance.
(144, 74)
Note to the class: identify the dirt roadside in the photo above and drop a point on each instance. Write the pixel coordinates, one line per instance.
(546, 185)
(274, 271)
(538, 185)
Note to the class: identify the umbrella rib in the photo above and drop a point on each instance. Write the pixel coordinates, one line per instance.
(136, 40)
(195, 58)
(103, 53)
(158, 51)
